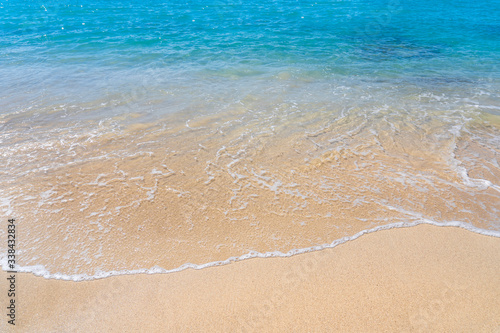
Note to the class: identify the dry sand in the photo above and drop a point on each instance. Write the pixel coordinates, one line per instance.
(419, 279)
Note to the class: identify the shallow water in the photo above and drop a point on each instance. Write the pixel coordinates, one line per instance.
(151, 135)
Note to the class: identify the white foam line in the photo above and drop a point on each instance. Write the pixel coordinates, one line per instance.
(39, 270)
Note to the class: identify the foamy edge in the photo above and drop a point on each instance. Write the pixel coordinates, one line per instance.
(39, 270)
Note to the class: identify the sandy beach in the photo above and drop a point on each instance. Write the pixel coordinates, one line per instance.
(253, 166)
(418, 279)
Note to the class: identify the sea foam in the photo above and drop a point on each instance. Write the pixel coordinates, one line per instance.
(39, 270)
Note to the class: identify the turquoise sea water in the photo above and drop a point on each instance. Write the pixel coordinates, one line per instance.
(252, 102)
(77, 51)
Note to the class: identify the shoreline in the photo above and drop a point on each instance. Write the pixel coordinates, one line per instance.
(414, 279)
(38, 272)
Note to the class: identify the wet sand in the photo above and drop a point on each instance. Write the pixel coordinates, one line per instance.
(171, 194)
(417, 279)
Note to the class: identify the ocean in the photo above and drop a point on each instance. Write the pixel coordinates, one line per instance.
(153, 136)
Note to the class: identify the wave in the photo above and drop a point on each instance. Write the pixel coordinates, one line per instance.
(39, 270)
